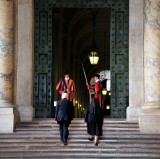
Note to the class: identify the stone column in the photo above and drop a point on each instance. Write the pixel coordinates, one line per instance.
(135, 59)
(149, 121)
(24, 60)
(6, 66)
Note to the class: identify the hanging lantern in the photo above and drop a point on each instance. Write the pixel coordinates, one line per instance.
(104, 91)
(94, 58)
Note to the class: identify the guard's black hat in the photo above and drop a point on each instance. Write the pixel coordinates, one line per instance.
(66, 72)
(96, 75)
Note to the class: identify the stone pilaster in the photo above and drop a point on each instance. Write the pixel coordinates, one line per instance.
(149, 121)
(135, 59)
(6, 66)
(24, 60)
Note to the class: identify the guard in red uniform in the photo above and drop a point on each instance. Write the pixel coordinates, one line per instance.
(94, 112)
(97, 89)
(67, 85)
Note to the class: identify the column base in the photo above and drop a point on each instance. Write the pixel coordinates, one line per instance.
(16, 115)
(133, 113)
(149, 121)
(26, 113)
(6, 118)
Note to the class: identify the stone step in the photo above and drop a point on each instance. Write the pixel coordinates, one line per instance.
(84, 135)
(58, 145)
(82, 154)
(79, 120)
(105, 126)
(67, 149)
(81, 142)
(79, 125)
(72, 129)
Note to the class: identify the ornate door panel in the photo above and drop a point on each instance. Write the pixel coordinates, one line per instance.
(43, 60)
(44, 52)
(119, 59)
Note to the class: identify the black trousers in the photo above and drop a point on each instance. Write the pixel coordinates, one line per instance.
(63, 128)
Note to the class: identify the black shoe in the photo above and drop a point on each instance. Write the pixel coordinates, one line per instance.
(65, 142)
(96, 144)
(91, 138)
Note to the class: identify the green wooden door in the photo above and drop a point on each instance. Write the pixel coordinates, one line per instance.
(119, 61)
(45, 56)
(43, 60)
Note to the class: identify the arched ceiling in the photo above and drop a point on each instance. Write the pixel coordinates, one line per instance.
(78, 24)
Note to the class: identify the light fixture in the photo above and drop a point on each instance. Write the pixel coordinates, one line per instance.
(104, 91)
(108, 107)
(93, 57)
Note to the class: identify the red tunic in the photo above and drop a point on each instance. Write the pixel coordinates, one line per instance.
(98, 92)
